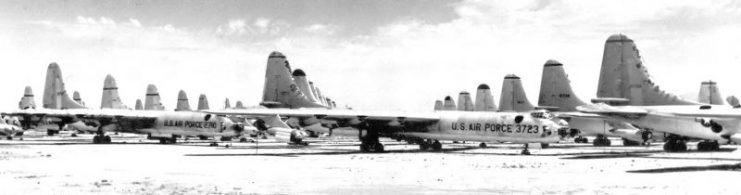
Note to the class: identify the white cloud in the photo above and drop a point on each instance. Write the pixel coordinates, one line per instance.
(403, 65)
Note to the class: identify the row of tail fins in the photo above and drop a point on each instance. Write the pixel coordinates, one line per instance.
(623, 79)
(283, 88)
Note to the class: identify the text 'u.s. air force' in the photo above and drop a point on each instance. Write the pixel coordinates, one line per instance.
(495, 127)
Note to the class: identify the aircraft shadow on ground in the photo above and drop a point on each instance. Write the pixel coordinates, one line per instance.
(723, 167)
(329, 152)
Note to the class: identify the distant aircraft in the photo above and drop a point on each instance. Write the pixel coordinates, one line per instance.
(110, 98)
(484, 100)
(138, 105)
(165, 126)
(183, 104)
(513, 96)
(202, 102)
(285, 88)
(10, 127)
(425, 129)
(152, 99)
(710, 94)
(27, 101)
(624, 80)
(556, 94)
(77, 98)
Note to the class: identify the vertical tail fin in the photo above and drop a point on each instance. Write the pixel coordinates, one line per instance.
(183, 104)
(513, 96)
(152, 99)
(138, 105)
(438, 105)
(76, 97)
(110, 98)
(733, 101)
(55, 95)
(623, 75)
(300, 77)
(709, 93)
(484, 99)
(314, 91)
(227, 104)
(464, 101)
(449, 103)
(202, 102)
(239, 105)
(27, 101)
(280, 88)
(555, 88)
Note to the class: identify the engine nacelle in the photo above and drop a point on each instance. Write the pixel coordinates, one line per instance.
(735, 138)
(287, 134)
(714, 126)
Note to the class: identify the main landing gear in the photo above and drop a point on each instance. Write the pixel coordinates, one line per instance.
(370, 142)
(601, 140)
(581, 139)
(482, 145)
(675, 143)
(100, 137)
(425, 144)
(627, 142)
(525, 151)
(708, 146)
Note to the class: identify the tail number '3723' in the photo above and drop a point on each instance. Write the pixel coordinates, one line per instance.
(493, 127)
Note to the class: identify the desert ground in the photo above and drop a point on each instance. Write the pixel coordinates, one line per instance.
(62, 164)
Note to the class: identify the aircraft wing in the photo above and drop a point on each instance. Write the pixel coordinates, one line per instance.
(606, 110)
(333, 114)
(84, 113)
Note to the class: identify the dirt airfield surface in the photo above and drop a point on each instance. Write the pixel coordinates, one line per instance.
(134, 165)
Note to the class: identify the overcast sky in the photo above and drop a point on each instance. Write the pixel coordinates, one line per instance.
(366, 54)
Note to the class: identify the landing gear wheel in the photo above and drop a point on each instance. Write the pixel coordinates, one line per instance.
(243, 140)
(482, 145)
(73, 135)
(627, 142)
(97, 139)
(437, 146)
(525, 152)
(213, 144)
(10, 138)
(107, 139)
(581, 139)
(378, 147)
(423, 145)
(163, 141)
(544, 145)
(601, 140)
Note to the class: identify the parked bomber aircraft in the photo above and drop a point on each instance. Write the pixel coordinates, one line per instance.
(426, 129)
(556, 95)
(165, 126)
(625, 80)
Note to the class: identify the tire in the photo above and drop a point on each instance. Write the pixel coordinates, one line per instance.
(437, 146)
(107, 139)
(96, 139)
(378, 147)
(364, 147)
(544, 145)
(482, 145)
(423, 146)
(525, 152)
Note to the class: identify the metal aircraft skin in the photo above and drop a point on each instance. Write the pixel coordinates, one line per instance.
(625, 80)
(162, 125)
(110, 98)
(425, 129)
(285, 88)
(165, 126)
(710, 94)
(556, 94)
